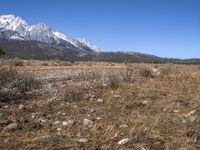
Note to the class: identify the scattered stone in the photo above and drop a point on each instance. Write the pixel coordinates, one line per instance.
(123, 141)
(100, 100)
(51, 138)
(58, 113)
(6, 106)
(123, 126)
(92, 110)
(6, 141)
(176, 111)
(99, 118)
(59, 129)
(21, 106)
(52, 99)
(104, 85)
(34, 125)
(11, 127)
(117, 96)
(68, 123)
(87, 96)
(33, 115)
(191, 113)
(184, 121)
(83, 140)
(42, 120)
(63, 114)
(145, 102)
(56, 122)
(87, 122)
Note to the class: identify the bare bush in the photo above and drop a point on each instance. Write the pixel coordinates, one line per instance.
(128, 73)
(90, 75)
(45, 64)
(17, 62)
(13, 85)
(73, 94)
(146, 72)
(113, 81)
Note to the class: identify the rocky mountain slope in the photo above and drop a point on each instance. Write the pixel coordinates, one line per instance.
(15, 28)
(43, 51)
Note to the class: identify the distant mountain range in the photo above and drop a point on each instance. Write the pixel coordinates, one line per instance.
(15, 28)
(41, 42)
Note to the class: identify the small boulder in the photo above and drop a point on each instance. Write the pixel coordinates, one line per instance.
(11, 127)
(68, 123)
(123, 141)
(87, 122)
(83, 140)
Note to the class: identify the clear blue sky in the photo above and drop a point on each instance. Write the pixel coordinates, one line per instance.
(168, 28)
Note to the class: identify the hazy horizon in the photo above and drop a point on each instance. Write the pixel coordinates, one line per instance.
(162, 28)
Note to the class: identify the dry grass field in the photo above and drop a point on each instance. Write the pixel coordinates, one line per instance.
(108, 106)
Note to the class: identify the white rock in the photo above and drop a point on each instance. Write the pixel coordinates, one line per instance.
(87, 122)
(5, 106)
(100, 100)
(117, 96)
(83, 140)
(176, 111)
(123, 141)
(56, 122)
(145, 102)
(191, 113)
(11, 126)
(99, 118)
(59, 129)
(123, 126)
(92, 110)
(33, 115)
(21, 106)
(68, 123)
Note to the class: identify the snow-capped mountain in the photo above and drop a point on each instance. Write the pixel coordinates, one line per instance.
(12, 27)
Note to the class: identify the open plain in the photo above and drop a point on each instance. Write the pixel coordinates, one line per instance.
(93, 106)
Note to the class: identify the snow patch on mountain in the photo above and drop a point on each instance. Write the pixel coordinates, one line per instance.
(12, 27)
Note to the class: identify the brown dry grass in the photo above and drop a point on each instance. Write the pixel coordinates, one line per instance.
(156, 113)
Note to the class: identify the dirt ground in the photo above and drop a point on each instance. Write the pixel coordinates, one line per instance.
(108, 106)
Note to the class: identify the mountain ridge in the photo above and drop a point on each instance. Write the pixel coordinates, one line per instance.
(15, 28)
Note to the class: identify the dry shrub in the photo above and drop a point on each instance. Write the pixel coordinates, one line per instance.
(74, 94)
(17, 62)
(89, 75)
(165, 69)
(13, 85)
(128, 73)
(146, 72)
(45, 64)
(113, 81)
(67, 64)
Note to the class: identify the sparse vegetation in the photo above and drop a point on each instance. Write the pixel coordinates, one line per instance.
(113, 81)
(84, 107)
(17, 62)
(13, 85)
(128, 73)
(146, 72)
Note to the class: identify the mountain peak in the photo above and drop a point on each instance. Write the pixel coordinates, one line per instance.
(14, 27)
(11, 22)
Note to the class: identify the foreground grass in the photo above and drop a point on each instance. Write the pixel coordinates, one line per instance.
(96, 106)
